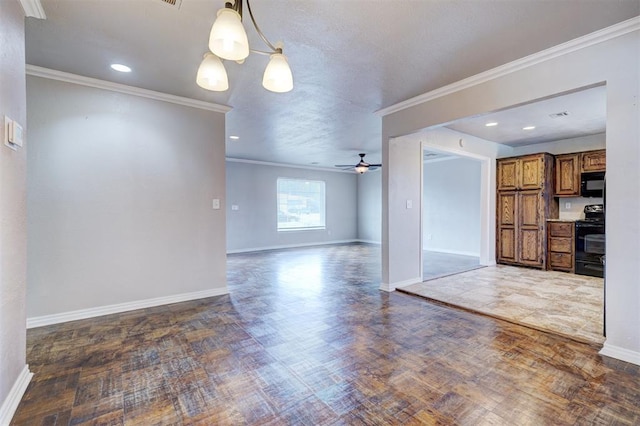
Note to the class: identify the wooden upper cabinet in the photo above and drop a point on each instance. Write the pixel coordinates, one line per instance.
(532, 172)
(508, 174)
(594, 161)
(567, 175)
(521, 173)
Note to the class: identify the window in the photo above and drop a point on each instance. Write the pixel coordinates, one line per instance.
(301, 204)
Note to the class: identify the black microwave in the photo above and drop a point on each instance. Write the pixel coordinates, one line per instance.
(592, 184)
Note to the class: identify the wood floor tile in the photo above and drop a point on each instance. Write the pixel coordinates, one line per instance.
(306, 338)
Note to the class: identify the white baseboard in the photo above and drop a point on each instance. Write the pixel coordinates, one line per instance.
(620, 353)
(122, 307)
(287, 246)
(12, 400)
(392, 286)
(460, 252)
(369, 242)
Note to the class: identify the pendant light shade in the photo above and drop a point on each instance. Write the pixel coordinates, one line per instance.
(228, 39)
(277, 76)
(211, 74)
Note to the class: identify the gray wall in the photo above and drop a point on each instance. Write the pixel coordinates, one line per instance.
(370, 207)
(120, 195)
(451, 211)
(13, 231)
(252, 187)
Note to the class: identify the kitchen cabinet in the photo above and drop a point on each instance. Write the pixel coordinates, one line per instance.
(594, 161)
(561, 246)
(524, 202)
(567, 171)
(520, 173)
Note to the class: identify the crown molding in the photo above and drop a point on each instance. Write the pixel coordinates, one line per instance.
(291, 166)
(36, 71)
(579, 43)
(33, 8)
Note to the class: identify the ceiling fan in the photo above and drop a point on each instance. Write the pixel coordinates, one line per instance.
(361, 167)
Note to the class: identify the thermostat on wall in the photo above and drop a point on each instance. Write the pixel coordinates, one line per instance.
(12, 133)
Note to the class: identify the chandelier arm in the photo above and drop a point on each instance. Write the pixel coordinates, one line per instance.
(262, 36)
(261, 52)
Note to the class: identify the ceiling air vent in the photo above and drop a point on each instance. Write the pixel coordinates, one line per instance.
(559, 114)
(174, 3)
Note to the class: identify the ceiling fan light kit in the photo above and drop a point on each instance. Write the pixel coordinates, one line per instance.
(228, 40)
(361, 168)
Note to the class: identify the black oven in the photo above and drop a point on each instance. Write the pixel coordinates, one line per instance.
(590, 242)
(592, 184)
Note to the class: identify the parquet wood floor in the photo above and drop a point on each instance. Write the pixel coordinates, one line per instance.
(306, 338)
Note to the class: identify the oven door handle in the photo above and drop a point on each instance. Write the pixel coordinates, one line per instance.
(593, 267)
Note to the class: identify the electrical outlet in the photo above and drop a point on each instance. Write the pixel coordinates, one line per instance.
(567, 205)
(235, 207)
(409, 204)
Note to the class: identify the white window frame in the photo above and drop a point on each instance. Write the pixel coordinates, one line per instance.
(295, 211)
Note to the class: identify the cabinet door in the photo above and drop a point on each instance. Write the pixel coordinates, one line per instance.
(594, 161)
(529, 228)
(508, 174)
(506, 233)
(532, 172)
(567, 175)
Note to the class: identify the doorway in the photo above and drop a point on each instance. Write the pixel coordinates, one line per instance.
(450, 214)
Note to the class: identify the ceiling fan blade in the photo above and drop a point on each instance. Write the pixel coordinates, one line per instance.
(375, 165)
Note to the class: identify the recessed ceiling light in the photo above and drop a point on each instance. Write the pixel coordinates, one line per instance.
(234, 137)
(120, 68)
(529, 128)
(491, 124)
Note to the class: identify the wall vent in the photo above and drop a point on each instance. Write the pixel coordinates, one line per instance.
(559, 114)
(173, 3)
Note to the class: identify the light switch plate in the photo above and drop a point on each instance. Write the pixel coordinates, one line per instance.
(216, 204)
(12, 134)
(409, 204)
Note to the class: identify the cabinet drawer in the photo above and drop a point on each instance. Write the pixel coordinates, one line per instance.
(562, 245)
(561, 229)
(560, 260)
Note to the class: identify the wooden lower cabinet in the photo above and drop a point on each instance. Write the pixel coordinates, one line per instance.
(561, 246)
(520, 236)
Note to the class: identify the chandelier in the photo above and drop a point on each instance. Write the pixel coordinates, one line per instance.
(228, 40)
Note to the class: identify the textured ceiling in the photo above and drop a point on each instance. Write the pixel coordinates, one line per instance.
(349, 58)
(586, 114)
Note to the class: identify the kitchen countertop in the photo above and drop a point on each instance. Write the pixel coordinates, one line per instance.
(562, 220)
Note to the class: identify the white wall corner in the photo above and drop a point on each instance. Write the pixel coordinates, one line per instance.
(10, 404)
(387, 287)
(620, 353)
(121, 307)
(33, 8)
(393, 286)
